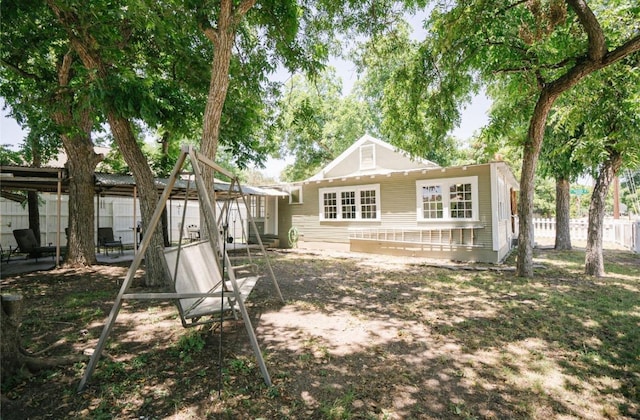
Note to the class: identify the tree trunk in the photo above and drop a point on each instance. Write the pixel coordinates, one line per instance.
(164, 220)
(563, 214)
(34, 214)
(82, 162)
(524, 263)
(594, 262)
(11, 312)
(123, 134)
(33, 204)
(76, 125)
(90, 54)
(222, 38)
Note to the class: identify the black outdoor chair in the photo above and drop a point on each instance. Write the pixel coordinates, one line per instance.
(106, 240)
(27, 244)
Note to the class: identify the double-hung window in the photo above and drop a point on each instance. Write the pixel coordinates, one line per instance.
(257, 206)
(447, 199)
(350, 203)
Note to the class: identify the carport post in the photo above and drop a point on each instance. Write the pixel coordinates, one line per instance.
(58, 208)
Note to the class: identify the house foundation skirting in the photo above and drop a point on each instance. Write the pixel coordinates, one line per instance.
(456, 252)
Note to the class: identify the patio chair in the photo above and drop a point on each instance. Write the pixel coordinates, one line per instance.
(27, 244)
(106, 240)
(193, 232)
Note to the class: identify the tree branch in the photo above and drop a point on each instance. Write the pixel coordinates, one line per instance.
(64, 72)
(509, 6)
(211, 34)
(242, 9)
(597, 44)
(585, 65)
(18, 70)
(629, 47)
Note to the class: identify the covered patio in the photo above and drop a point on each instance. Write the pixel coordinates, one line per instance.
(55, 181)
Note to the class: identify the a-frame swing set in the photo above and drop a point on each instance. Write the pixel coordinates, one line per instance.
(205, 281)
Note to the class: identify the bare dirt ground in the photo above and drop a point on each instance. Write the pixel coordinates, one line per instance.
(362, 337)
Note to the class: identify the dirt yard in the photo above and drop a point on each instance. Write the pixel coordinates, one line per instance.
(359, 337)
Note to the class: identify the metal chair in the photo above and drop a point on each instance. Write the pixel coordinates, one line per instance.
(106, 240)
(27, 244)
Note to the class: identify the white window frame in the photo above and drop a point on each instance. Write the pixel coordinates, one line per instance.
(364, 149)
(358, 189)
(257, 206)
(445, 184)
(297, 188)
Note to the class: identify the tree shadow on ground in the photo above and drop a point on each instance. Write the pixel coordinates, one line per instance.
(357, 338)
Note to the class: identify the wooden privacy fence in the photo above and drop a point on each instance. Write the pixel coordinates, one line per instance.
(625, 233)
(114, 212)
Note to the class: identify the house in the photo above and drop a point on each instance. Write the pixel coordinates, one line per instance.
(375, 199)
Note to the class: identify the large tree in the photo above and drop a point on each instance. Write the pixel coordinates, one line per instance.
(559, 162)
(47, 93)
(392, 86)
(542, 47)
(318, 123)
(607, 105)
(295, 34)
(108, 42)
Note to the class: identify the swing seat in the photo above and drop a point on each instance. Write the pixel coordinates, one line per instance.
(198, 272)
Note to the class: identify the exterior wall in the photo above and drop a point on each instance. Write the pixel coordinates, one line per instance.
(398, 201)
(457, 253)
(385, 159)
(501, 208)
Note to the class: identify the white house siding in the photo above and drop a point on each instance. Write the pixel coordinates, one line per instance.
(398, 210)
(386, 158)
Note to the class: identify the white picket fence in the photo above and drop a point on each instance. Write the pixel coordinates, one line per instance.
(624, 233)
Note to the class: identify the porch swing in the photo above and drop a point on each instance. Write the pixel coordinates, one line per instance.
(206, 285)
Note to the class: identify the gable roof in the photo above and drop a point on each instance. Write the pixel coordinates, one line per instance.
(348, 163)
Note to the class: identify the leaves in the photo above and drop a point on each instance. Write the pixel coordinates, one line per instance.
(317, 124)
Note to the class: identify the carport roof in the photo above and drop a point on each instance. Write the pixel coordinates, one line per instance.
(16, 178)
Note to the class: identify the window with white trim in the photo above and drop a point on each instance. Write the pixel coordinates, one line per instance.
(330, 205)
(447, 199)
(368, 205)
(257, 206)
(432, 202)
(350, 203)
(461, 206)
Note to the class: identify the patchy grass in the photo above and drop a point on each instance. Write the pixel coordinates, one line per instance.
(365, 337)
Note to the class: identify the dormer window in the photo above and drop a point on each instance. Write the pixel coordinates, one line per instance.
(367, 157)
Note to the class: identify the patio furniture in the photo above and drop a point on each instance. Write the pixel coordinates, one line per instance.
(106, 240)
(27, 244)
(193, 232)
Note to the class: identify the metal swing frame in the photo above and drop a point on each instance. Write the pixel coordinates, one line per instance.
(230, 294)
